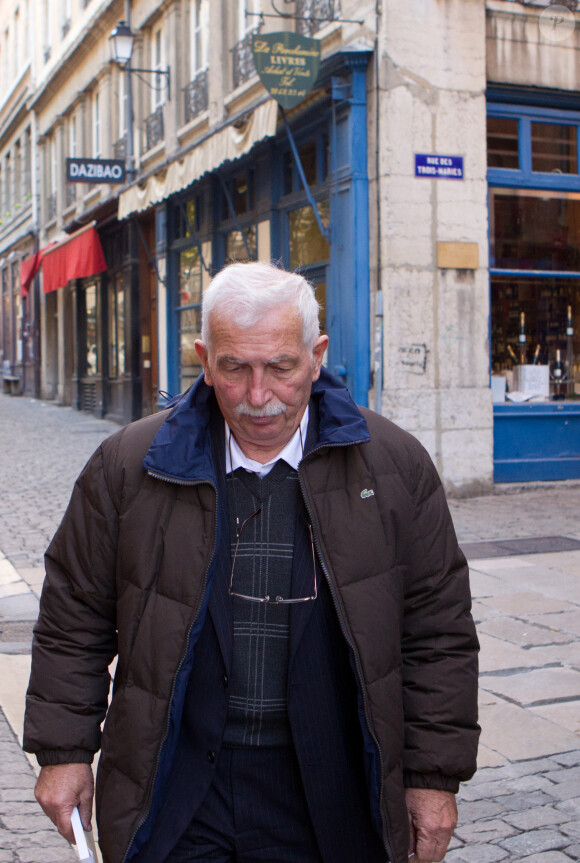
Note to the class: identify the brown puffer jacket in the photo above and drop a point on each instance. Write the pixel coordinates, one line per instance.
(127, 571)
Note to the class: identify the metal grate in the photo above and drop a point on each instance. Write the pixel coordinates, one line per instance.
(317, 12)
(89, 397)
(243, 66)
(120, 149)
(154, 129)
(70, 194)
(196, 96)
(51, 207)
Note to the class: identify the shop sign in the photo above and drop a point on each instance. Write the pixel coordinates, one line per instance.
(439, 167)
(95, 170)
(287, 64)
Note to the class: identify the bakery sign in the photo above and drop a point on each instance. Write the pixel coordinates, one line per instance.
(287, 64)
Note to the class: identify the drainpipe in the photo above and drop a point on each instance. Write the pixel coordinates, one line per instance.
(379, 339)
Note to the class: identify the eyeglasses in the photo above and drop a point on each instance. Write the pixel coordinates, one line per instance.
(267, 600)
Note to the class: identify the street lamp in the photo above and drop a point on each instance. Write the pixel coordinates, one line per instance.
(122, 39)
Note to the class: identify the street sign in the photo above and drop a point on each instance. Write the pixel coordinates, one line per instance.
(438, 167)
(287, 65)
(95, 170)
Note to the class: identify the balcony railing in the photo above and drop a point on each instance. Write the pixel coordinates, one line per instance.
(196, 96)
(154, 130)
(243, 60)
(70, 194)
(120, 149)
(51, 207)
(317, 12)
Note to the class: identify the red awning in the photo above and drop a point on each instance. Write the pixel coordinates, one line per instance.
(28, 269)
(77, 257)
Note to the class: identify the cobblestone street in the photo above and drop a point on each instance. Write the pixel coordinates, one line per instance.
(523, 544)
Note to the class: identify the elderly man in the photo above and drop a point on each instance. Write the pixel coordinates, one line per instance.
(277, 571)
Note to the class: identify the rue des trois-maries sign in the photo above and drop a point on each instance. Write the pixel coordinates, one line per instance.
(95, 170)
(287, 65)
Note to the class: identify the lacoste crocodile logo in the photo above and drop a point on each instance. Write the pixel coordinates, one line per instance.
(367, 492)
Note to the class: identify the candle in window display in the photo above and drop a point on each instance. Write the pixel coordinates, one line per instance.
(522, 338)
(570, 349)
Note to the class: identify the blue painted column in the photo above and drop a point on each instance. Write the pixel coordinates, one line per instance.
(349, 218)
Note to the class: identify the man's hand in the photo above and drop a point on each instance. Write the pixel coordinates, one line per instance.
(432, 820)
(61, 787)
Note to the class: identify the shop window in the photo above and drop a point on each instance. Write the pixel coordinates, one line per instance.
(314, 156)
(306, 243)
(535, 230)
(535, 307)
(91, 331)
(531, 319)
(6, 328)
(554, 148)
(192, 218)
(189, 311)
(117, 355)
(243, 197)
(502, 142)
(236, 247)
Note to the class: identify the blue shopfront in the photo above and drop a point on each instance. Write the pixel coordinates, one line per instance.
(534, 212)
(257, 207)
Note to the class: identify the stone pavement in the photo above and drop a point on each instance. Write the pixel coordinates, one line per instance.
(523, 804)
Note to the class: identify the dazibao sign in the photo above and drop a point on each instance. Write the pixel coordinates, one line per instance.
(287, 65)
(95, 171)
(439, 167)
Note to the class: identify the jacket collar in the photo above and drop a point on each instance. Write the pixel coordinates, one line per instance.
(182, 448)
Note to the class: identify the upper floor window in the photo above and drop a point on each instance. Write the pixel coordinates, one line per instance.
(27, 164)
(46, 25)
(65, 15)
(16, 47)
(72, 140)
(158, 63)
(242, 59)
(534, 146)
(199, 38)
(96, 125)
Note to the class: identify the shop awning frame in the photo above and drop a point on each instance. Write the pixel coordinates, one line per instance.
(78, 256)
(225, 145)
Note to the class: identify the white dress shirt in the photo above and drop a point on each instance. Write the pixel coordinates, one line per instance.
(292, 453)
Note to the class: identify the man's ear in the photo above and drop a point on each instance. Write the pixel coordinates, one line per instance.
(203, 355)
(318, 351)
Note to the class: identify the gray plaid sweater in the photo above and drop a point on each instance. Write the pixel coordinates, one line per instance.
(257, 712)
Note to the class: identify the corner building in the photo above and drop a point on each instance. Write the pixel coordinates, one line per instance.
(440, 146)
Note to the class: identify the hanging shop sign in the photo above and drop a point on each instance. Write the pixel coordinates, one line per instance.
(95, 170)
(287, 65)
(439, 167)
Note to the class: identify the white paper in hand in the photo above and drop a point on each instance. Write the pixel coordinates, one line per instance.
(80, 841)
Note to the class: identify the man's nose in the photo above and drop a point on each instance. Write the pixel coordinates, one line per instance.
(258, 393)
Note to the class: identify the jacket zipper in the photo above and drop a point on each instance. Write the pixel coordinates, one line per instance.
(176, 481)
(347, 636)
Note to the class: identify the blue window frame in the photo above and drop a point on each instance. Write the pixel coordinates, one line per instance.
(534, 208)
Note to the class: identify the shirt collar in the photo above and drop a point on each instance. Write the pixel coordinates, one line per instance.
(292, 453)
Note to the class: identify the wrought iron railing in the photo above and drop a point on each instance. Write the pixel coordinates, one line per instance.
(70, 194)
(51, 207)
(196, 96)
(243, 66)
(314, 14)
(154, 129)
(120, 148)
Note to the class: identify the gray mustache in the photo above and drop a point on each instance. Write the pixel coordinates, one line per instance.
(272, 409)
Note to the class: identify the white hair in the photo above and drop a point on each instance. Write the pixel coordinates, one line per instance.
(243, 292)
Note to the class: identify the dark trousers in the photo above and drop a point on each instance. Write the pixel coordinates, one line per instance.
(254, 812)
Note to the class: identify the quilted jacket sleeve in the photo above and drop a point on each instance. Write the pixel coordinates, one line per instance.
(75, 636)
(439, 644)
